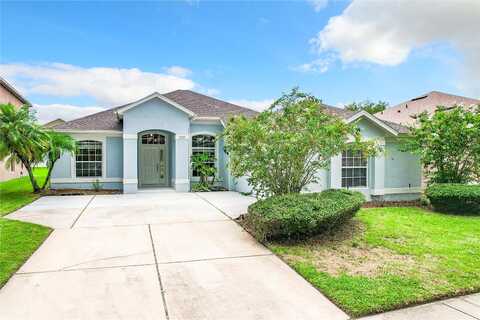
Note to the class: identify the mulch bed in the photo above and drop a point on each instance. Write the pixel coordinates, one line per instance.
(380, 204)
(79, 192)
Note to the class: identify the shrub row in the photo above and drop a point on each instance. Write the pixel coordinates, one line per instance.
(454, 198)
(296, 216)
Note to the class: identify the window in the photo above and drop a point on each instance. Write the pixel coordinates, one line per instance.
(88, 160)
(153, 138)
(204, 144)
(354, 169)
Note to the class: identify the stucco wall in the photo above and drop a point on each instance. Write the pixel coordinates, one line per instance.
(114, 157)
(402, 169)
(156, 114)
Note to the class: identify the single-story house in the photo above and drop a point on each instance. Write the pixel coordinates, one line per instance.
(148, 143)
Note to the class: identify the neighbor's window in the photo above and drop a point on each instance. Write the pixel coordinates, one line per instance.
(88, 160)
(204, 144)
(354, 169)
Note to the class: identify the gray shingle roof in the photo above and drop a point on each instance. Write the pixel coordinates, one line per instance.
(201, 105)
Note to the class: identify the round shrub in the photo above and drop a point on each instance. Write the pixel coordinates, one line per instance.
(454, 198)
(301, 215)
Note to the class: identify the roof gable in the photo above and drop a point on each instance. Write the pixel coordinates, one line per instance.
(379, 123)
(153, 96)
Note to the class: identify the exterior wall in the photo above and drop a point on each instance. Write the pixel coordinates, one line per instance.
(64, 175)
(18, 170)
(155, 114)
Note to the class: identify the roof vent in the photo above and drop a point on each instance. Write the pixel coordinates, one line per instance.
(419, 98)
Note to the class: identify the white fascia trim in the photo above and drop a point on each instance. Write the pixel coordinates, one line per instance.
(130, 181)
(207, 119)
(85, 180)
(130, 136)
(375, 120)
(99, 132)
(121, 111)
(396, 191)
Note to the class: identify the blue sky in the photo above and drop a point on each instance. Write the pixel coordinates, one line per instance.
(81, 54)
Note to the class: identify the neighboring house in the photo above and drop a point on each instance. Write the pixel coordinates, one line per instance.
(54, 123)
(405, 112)
(8, 94)
(149, 143)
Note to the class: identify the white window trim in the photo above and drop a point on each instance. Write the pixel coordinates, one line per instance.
(366, 186)
(73, 169)
(206, 133)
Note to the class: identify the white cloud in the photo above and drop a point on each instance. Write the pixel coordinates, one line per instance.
(257, 105)
(108, 86)
(386, 32)
(178, 71)
(49, 112)
(318, 4)
(316, 66)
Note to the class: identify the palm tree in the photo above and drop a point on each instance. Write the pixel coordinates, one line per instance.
(21, 139)
(58, 143)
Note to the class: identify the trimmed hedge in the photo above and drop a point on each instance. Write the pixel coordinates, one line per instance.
(301, 215)
(454, 198)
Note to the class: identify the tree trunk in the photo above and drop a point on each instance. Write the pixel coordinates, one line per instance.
(35, 186)
(49, 173)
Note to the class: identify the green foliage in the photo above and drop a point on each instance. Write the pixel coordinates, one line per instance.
(21, 139)
(207, 173)
(281, 150)
(301, 215)
(18, 242)
(448, 144)
(97, 186)
(367, 105)
(454, 198)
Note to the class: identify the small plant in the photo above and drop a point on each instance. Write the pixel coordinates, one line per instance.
(97, 186)
(207, 173)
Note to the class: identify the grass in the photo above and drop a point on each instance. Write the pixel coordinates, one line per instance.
(388, 258)
(16, 193)
(18, 240)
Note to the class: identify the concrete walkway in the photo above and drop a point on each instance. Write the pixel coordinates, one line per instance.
(155, 255)
(462, 308)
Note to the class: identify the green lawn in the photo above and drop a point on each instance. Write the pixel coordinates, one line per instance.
(387, 258)
(18, 240)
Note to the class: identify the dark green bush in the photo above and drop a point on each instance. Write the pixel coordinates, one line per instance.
(296, 216)
(454, 198)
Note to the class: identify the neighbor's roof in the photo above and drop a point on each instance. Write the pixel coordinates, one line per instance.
(52, 124)
(403, 112)
(201, 105)
(14, 92)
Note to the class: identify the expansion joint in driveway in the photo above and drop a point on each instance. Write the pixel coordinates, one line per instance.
(223, 212)
(158, 273)
(459, 310)
(81, 212)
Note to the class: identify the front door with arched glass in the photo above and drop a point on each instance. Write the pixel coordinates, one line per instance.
(153, 159)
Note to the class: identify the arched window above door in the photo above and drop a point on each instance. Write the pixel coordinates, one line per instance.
(153, 138)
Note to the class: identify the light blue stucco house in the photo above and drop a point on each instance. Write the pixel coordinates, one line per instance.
(149, 143)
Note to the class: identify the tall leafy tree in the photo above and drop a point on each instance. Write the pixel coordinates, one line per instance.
(448, 143)
(58, 143)
(367, 105)
(21, 139)
(282, 149)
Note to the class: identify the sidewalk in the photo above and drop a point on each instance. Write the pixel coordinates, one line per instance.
(461, 308)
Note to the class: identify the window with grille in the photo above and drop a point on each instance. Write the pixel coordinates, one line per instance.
(354, 169)
(204, 144)
(153, 138)
(88, 159)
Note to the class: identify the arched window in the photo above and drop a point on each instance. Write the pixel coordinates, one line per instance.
(153, 138)
(203, 143)
(354, 169)
(88, 160)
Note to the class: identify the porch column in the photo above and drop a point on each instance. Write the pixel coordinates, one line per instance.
(336, 172)
(379, 172)
(130, 179)
(182, 163)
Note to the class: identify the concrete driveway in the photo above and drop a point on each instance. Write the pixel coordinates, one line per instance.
(154, 255)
